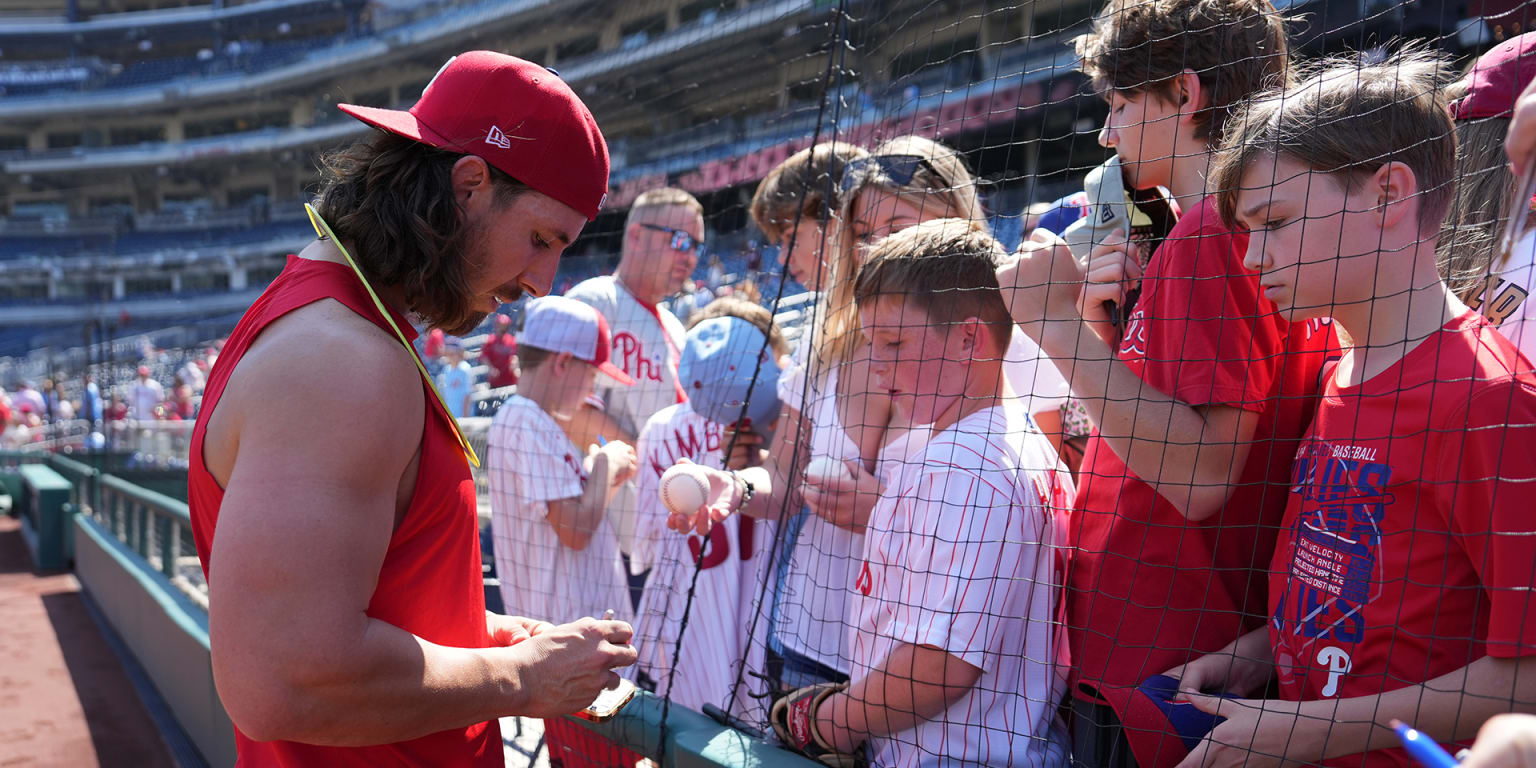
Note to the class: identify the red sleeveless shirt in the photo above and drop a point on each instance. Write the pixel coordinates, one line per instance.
(429, 584)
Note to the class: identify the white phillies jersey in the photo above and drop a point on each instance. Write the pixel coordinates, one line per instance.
(532, 463)
(1503, 297)
(962, 553)
(647, 343)
(729, 584)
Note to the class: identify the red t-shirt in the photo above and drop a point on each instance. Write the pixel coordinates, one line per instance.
(498, 352)
(1405, 552)
(1149, 590)
(429, 584)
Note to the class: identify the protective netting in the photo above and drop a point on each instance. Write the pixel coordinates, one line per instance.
(1064, 368)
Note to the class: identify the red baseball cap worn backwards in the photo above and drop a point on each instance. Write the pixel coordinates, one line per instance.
(518, 116)
(1497, 79)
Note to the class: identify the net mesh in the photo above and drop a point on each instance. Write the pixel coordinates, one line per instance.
(1030, 431)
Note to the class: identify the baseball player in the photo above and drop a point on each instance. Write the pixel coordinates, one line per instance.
(731, 341)
(1401, 586)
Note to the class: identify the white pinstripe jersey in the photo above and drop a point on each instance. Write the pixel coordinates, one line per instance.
(729, 585)
(532, 463)
(962, 553)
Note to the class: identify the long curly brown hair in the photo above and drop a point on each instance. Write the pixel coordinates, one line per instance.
(390, 200)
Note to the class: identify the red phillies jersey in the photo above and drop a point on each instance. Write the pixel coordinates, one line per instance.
(497, 353)
(1148, 589)
(1406, 550)
(429, 583)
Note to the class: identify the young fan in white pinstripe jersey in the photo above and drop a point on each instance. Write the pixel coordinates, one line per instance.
(953, 635)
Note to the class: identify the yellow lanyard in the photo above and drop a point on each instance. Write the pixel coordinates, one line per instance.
(324, 230)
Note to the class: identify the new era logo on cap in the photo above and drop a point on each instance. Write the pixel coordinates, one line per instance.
(497, 138)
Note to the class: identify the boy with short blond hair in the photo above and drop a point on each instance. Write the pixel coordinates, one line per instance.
(953, 636)
(1196, 396)
(1401, 586)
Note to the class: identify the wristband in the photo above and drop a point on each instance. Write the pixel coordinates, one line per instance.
(747, 491)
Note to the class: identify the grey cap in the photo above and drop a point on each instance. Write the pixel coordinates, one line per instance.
(1107, 210)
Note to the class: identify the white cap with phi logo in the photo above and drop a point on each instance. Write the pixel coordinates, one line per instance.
(560, 324)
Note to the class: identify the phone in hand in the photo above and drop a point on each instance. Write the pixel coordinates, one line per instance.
(609, 702)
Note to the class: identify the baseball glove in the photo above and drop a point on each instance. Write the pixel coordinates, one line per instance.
(793, 717)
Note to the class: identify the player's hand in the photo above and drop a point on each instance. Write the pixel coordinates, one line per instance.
(563, 668)
(1257, 733)
(746, 446)
(844, 501)
(622, 461)
(1505, 741)
(1041, 285)
(511, 630)
(1114, 270)
(724, 496)
(1520, 139)
(1222, 672)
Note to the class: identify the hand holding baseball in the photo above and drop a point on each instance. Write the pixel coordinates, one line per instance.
(696, 496)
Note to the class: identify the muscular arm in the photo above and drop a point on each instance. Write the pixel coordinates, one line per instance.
(915, 684)
(1191, 455)
(308, 512)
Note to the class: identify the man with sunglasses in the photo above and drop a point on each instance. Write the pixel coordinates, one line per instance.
(663, 237)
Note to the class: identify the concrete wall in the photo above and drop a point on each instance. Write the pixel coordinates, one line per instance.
(166, 632)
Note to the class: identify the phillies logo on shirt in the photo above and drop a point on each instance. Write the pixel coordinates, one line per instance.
(570, 461)
(630, 352)
(1334, 565)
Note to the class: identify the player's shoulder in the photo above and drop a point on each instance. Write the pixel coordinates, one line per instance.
(662, 419)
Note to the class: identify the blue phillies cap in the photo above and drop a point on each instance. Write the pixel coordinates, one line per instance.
(720, 358)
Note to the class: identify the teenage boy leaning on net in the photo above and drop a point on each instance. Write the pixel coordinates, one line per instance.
(1196, 401)
(1401, 586)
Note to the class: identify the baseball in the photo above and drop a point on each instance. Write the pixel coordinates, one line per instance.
(684, 488)
(825, 469)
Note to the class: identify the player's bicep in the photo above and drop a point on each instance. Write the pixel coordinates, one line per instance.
(307, 515)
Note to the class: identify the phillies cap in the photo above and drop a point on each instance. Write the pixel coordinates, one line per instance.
(518, 116)
(1159, 724)
(720, 358)
(561, 324)
(1497, 79)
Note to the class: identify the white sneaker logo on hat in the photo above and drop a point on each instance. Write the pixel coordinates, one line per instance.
(497, 138)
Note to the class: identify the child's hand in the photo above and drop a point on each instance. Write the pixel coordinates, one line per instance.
(1041, 286)
(746, 447)
(1507, 741)
(1221, 672)
(843, 500)
(724, 496)
(622, 461)
(1114, 269)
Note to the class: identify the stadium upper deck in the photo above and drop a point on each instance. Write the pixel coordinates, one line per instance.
(147, 151)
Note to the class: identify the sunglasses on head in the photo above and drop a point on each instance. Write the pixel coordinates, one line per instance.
(900, 169)
(681, 240)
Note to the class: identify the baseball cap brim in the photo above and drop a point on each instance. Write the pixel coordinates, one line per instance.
(1152, 738)
(616, 373)
(398, 122)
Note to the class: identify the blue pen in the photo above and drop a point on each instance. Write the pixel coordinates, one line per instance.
(601, 441)
(1423, 749)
